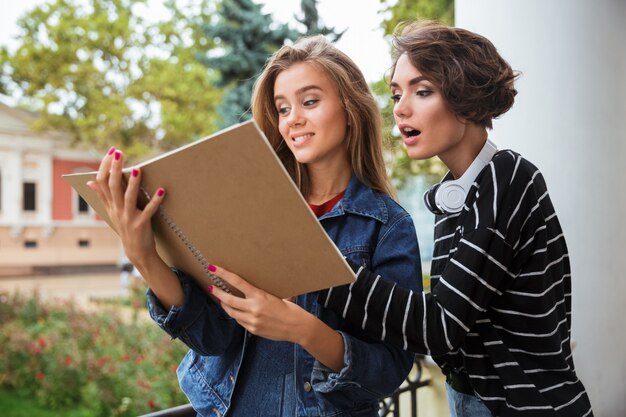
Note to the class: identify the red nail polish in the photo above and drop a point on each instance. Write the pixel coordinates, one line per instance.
(111, 150)
(135, 172)
(160, 192)
(211, 268)
(210, 288)
(118, 155)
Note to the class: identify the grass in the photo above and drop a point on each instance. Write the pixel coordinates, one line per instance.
(15, 405)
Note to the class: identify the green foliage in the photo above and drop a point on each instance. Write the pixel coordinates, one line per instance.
(97, 70)
(64, 357)
(244, 39)
(179, 85)
(408, 10)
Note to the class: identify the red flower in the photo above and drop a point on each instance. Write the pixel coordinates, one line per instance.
(125, 357)
(151, 404)
(139, 359)
(174, 368)
(39, 376)
(42, 342)
(103, 360)
(67, 361)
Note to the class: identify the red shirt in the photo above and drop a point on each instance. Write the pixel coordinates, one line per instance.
(324, 208)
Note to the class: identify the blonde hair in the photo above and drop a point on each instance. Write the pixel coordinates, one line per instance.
(364, 122)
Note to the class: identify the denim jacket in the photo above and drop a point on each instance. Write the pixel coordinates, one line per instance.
(370, 229)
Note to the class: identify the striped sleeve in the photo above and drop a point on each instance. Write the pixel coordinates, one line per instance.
(434, 323)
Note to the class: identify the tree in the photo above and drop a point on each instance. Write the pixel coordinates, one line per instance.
(92, 69)
(244, 39)
(401, 166)
(313, 24)
(407, 10)
(175, 82)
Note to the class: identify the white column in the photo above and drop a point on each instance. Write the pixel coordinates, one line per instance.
(570, 120)
(14, 187)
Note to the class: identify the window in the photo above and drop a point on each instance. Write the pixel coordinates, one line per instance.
(83, 243)
(83, 207)
(30, 196)
(30, 244)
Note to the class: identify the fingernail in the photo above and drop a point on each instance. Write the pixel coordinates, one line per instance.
(118, 154)
(160, 192)
(211, 268)
(210, 288)
(135, 172)
(111, 150)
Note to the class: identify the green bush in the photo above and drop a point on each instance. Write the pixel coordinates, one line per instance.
(111, 360)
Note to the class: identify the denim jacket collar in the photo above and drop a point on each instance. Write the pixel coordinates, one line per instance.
(361, 200)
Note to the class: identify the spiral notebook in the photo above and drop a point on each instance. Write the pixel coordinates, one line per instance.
(230, 202)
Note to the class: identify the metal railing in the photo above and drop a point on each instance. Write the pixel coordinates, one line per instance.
(389, 406)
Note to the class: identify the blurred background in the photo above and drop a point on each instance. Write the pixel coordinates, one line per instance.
(146, 76)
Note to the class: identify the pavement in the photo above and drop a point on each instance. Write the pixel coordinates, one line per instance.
(79, 287)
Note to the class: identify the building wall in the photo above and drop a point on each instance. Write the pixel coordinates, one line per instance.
(570, 120)
(66, 199)
(55, 235)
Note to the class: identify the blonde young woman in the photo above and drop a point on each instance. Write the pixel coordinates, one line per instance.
(316, 109)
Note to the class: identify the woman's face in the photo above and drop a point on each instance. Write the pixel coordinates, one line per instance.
(311, 116)
(427, 126)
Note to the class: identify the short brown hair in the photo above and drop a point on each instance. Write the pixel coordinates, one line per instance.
(475, 81)
(364, 129)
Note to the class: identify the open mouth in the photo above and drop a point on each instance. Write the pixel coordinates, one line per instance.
(410, 132)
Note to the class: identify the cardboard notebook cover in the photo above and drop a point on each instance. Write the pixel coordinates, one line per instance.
(229, 201)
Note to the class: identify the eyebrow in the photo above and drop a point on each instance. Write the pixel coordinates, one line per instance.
(300, 91)
(413, 81)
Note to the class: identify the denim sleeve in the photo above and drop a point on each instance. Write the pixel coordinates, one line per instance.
(200, 323)
(365, 358)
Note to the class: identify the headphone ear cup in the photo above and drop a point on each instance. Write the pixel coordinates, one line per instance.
(450, 197)
(430, 199)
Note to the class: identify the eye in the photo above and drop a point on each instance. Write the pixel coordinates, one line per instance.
(310, 102)
(396, 98)
(424, 92)
(283, 110)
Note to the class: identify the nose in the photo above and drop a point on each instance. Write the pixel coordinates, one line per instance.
(401, 109)
(295, 117)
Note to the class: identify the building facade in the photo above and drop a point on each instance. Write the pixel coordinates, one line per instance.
(44, 225)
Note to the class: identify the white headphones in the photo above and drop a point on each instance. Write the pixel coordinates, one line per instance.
(449, 196)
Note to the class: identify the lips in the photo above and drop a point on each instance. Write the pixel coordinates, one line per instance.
(299, 139)
(409, 134)
(302, 137)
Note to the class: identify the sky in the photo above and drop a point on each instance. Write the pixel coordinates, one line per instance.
(363, 41)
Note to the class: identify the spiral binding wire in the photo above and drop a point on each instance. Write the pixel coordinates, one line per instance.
(189, 245)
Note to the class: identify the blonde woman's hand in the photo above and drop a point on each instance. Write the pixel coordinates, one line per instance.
(260, 313)
(132, 224)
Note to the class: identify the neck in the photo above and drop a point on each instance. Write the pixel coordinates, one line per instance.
(461, 156)
(326, 183)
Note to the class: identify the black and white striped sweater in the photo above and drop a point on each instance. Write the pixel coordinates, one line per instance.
(500, 304)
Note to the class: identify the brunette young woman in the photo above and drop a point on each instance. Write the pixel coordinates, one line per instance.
(498, 318)
(315, 107)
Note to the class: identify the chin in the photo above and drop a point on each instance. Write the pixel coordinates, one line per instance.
(417, 154)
